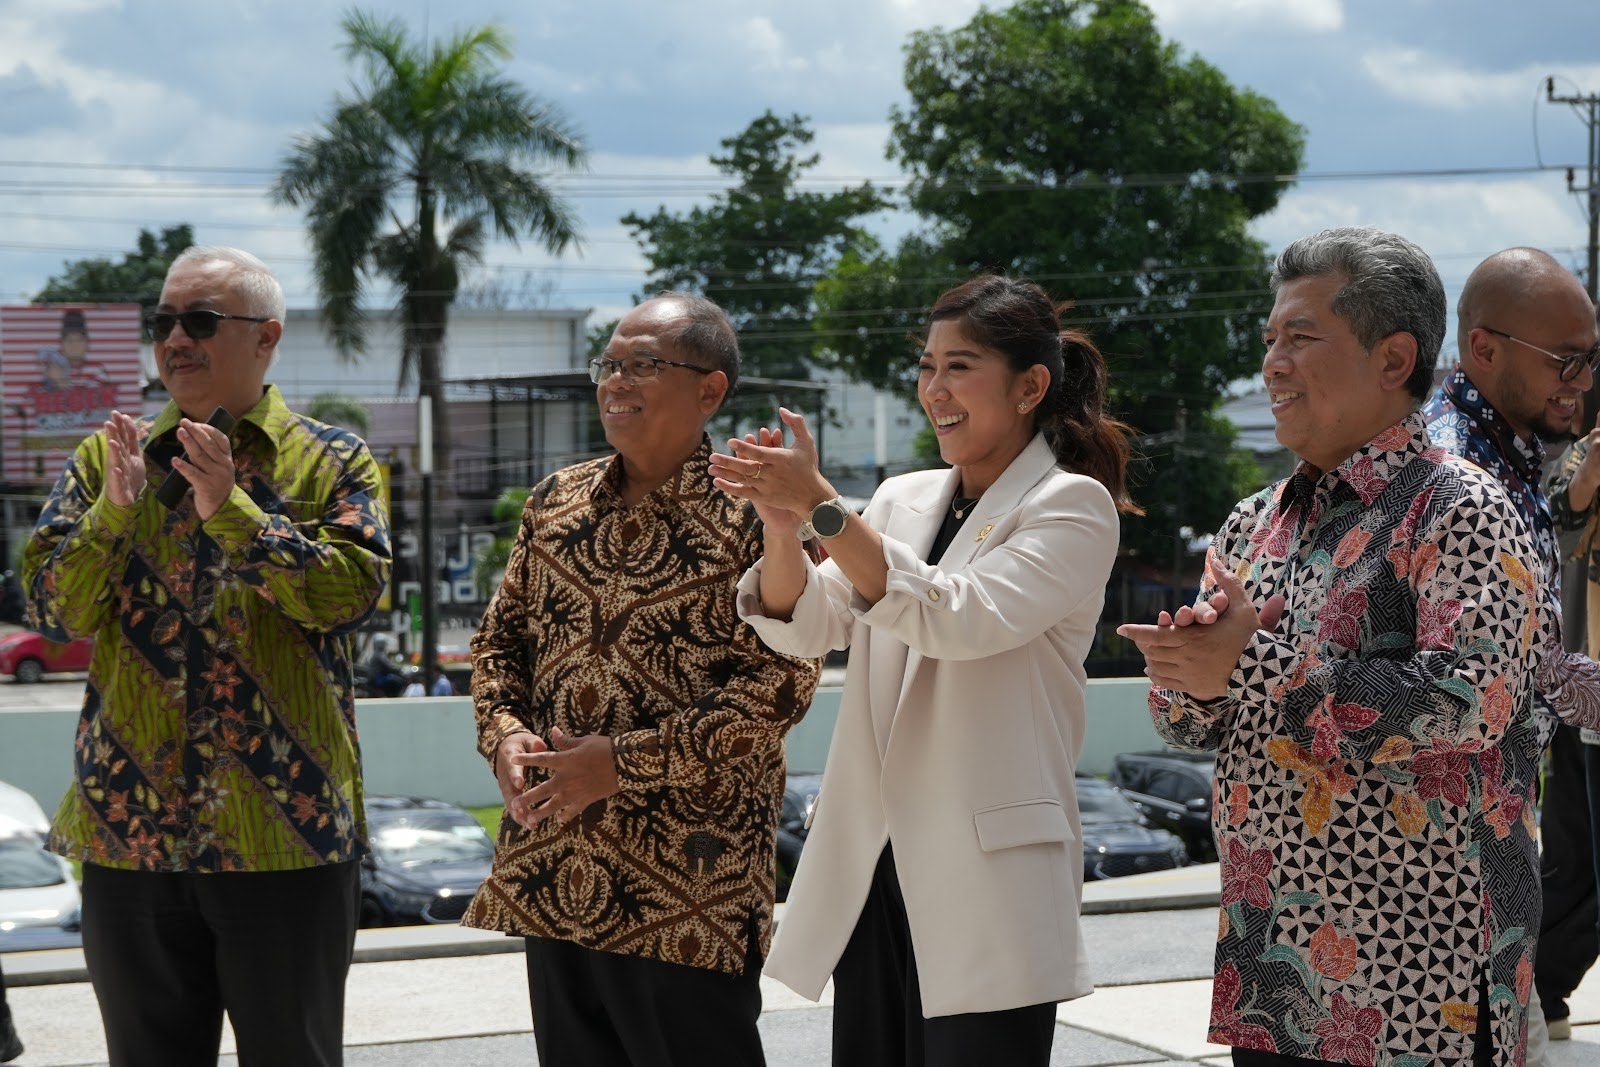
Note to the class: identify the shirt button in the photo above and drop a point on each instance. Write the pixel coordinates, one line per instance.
(933, 595)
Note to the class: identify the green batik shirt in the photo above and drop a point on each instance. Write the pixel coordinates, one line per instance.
(218, 725)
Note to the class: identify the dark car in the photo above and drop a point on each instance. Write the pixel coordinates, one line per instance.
(427, 859)
(1173, 790)
(1116, 841)
(799, 799)
(29, 656)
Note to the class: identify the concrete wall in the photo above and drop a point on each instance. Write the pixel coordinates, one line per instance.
(426, 746)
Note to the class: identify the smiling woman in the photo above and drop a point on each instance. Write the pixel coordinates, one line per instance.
(968, 599)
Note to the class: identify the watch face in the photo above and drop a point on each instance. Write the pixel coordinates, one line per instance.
(828, 518)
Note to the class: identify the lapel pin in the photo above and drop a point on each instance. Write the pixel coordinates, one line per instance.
(984, 532)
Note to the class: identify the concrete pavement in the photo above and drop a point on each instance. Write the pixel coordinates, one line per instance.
(446, 996)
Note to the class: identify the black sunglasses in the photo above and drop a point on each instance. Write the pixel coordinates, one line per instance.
(197, 324)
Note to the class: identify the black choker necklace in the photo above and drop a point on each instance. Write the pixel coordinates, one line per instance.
(961, 505)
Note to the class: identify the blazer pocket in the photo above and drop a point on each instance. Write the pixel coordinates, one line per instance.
(1028, 822)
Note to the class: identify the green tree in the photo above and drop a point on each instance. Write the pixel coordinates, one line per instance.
(436, 152)
(1066, 141)
(759, 249)
(341, 409)
(135, 280)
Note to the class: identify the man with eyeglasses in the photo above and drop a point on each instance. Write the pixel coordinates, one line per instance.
(1526, 336)
(217, 807)
(635, 724)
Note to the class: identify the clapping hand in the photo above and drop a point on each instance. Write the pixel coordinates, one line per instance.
(124, 460)
(1199, 659)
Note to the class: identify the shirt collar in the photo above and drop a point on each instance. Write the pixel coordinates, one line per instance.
(271, 416)
(1371, 468)
(1526, 456)
(690, 484)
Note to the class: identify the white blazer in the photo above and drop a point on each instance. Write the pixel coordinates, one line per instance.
(958, 735)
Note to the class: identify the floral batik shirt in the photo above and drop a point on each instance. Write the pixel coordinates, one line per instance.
(1375, 762)
(218, 725)
(622, 621)
(1461, 420)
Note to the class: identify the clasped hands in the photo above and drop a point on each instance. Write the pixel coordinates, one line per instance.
(1195, 651)
(579, 771)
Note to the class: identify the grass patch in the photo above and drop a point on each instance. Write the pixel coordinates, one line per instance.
(489, 817)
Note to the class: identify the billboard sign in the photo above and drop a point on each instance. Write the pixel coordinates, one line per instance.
(63, 368)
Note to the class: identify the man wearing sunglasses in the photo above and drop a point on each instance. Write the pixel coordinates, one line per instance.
(217, 808)
(635, 724)
(1527, 340)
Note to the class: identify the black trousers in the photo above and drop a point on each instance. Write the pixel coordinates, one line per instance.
(877, 1001)
(603, 1009)
(1568, 939)
(168, 953)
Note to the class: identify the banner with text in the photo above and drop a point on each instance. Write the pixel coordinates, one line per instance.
(63, 368)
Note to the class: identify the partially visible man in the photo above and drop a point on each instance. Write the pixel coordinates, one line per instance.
(1527, 341)
(1366, 678)
(217, 807)
(638, 858)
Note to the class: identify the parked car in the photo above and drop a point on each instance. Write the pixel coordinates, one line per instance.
(1116, 840)
(427, 859)
(39, 902)
(1173, 790)
(29, 656)
(794, 822)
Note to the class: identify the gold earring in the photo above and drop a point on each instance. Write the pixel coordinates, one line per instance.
(1023, 408)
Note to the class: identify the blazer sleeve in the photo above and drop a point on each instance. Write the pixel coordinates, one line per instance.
(1059, 554)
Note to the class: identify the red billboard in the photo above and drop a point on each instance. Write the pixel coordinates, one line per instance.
(63, 368)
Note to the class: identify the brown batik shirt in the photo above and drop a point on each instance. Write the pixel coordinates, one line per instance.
(621, 621)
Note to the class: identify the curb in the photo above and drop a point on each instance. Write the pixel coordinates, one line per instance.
(1190, 887)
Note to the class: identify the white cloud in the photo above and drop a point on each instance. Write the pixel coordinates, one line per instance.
(766, 47)
(1319, 16)
(1458, 223)
(1414, 75)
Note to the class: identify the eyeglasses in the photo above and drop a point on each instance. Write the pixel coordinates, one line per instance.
(197, 324)
(1570, 365)
(636, 368)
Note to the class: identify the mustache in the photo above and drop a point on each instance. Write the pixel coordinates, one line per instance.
(195, 357)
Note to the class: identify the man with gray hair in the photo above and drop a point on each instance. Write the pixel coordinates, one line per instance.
(216, 805)
(1365, 672)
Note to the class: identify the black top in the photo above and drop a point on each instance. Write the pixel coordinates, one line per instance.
(954, 517)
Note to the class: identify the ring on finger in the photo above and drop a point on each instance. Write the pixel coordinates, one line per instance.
(755, 475)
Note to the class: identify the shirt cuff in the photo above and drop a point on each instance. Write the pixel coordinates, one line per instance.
(1265, 666)
(110, 521)
(504, 724)
(236, 525)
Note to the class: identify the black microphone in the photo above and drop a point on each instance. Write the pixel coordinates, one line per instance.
(175, 485)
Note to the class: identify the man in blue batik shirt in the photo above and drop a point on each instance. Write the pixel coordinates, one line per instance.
(1526, 335)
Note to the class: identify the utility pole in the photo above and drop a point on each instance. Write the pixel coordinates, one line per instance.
(1587, 107)
(429, 575)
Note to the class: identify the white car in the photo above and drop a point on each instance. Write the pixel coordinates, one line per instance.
(39, 903)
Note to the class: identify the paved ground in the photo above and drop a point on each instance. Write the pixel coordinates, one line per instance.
(419, 1001)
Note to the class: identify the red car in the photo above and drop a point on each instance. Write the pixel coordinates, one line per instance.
(29, 656)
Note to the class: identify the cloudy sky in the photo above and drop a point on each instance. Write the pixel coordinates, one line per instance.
(119, 115)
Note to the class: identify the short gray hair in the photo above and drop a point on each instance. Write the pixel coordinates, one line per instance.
(1391, 286)
(706, 334)
(263, 295)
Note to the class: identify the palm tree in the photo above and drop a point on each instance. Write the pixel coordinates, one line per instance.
(410, 177)
(340, 409)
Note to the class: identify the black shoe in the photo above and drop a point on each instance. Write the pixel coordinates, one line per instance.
(10, 1043)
